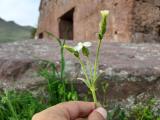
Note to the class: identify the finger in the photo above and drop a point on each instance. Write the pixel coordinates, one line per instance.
(76, 109)
(66, 111)
(98, 114)
(82, 119)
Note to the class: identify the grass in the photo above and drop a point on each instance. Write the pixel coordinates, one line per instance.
(19, 105)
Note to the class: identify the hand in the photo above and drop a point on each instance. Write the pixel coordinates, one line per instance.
(75, 110)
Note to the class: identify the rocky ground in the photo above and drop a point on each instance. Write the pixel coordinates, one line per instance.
(130, 69)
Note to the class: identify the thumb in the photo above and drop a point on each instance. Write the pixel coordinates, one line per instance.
(98, 114)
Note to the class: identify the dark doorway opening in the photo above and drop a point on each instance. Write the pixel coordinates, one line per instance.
(66, 25)
(40, 36)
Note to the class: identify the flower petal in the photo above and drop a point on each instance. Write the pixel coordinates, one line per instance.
(79, 46)
(87, 44)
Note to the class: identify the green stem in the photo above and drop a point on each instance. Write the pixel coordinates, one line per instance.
(90, 69)
(62, 70)
(90, 84)
(84, 72)
(97, 60)
(62, 62)
(93, 90)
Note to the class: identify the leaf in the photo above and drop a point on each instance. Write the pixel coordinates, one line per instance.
(53, 36)
(81, 79)
(76, 53)
(85, 51)
(69, 48)
(85, 81)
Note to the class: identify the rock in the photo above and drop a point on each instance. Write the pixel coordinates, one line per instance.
(11, 69)
(130, 69)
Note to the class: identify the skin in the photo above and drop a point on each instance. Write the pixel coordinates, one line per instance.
(74, 110)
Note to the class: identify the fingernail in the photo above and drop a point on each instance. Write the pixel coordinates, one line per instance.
(102, 111)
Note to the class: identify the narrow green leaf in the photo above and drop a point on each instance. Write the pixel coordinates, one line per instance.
(54, 37)
(69, 48)
(85, 51)
(76, 53)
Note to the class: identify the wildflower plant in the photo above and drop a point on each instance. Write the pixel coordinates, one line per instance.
(91, 77)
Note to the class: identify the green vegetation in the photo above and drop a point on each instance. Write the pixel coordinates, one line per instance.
(59, 89)
(22, 105)
(19, 105)
(146, 110)
(10, 31)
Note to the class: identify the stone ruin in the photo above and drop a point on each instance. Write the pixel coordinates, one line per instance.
(129, 20)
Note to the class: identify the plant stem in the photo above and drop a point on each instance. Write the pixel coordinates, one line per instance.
(62, 69)
(62, 63)
(90, 68)
(84, 72)
(97, 61)
(62, 60)
(93, 90)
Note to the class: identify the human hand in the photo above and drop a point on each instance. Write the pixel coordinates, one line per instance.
(75, 110)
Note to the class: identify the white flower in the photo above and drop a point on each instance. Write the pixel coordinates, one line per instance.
(87, 44)
(80, 45)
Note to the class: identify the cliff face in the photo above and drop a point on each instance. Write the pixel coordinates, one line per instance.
(129, 20)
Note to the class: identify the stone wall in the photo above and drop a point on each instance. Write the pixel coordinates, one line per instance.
(129, 20)
(147, 21)
(87, 16)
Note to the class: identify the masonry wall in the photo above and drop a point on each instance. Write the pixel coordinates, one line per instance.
(129, 20)
(146, 21)
(86, 18)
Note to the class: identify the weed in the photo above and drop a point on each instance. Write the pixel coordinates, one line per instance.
(91, 78)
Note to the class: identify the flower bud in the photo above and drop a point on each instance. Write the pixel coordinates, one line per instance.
(103, 23)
